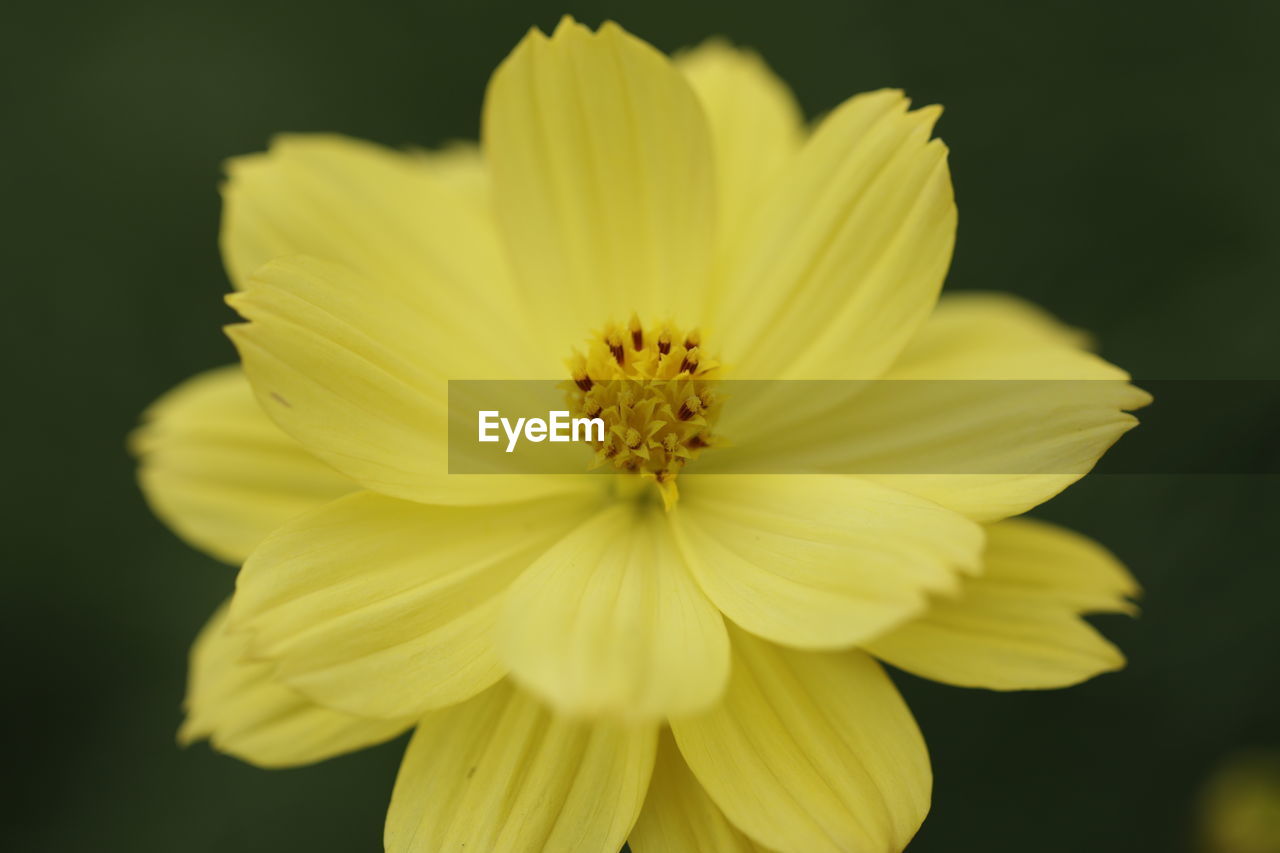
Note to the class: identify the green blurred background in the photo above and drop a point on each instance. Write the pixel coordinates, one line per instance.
(1114, 162)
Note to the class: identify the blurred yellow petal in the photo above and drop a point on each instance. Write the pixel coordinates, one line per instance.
(819, 561)
(215, 468)
(1239, 808)
(503, 773)
(609, 621)
(235, 703)
(350, 371)
(811, 752)
(387, 608)
(602, 178)
(756, 128)
(460, 167)
(846, 256)
(416, 224)
(1018, 625)
(679, 817)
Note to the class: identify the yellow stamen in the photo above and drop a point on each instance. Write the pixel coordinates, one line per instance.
(654, 396)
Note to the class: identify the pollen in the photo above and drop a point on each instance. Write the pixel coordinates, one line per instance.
(652, 386)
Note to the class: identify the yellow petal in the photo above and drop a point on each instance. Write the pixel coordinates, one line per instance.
(999, 336)
(387, 608)
(215, 468)
(602, 178)
(847, 254)
(416, 224)
(608, 621)
(992, 409)
(679, 817)
(504, 774)
(1016, 428)
(460, 167)
(243, 711)
(756, 128)
(1018, 625)
(351, 371)
(990, 335)
(811, 752)
(818, 561)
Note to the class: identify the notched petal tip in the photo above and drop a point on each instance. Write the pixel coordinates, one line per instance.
(886, 93)
(715, 45)
(235, 167)
(189, 733)
(568, 25)
(1140, 400)
(927, 115)
(1109, 659)
(613, 30)
(240, 334)
(235, 300)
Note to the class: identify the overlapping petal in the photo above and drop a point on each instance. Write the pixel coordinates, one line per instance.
(418, 225)
(602, 178)
(504, 773)
(235, 703)
(819, 561)
(215, 468)
(846, 255)
(1017, 626)
(811, 752)
(989, 335)
(609, 621)
(679, 817)
(387, 608)
(352, 371)
(1026, 401)
(756, 128)
(992, 409)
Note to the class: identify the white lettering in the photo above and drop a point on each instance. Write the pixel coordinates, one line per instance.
(513, 435)
(587, 424)
(559, 425)
(486, 424)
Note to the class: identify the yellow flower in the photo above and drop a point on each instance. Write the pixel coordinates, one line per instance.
(584, 664)
(1240, 806)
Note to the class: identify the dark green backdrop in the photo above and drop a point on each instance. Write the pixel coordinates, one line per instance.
(1115, 162)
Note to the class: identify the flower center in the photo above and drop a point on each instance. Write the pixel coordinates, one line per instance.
(652, 388)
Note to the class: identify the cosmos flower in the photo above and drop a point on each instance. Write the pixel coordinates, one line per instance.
(687, 662)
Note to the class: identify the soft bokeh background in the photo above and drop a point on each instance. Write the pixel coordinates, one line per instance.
(1115, 162)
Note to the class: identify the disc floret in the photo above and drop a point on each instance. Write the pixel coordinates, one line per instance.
(653, 389)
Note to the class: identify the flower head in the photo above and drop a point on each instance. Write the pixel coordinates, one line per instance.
(582, 662)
